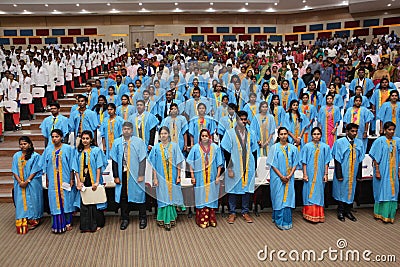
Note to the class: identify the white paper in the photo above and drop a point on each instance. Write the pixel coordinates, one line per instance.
(66, 186)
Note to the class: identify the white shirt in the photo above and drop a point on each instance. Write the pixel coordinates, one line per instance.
(25, 84)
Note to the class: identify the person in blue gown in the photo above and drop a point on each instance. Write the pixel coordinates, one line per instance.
(297, 124)
(286, 95)
(54, 121)
(252, 106)
(128, 155)
(202, 121)
(365, 100)
(112, 97)
(88, 166)
(263, 126)
(126, 109)
(28, 192)
(191, 104)
(110, 129)
(329, 117)
(277, 111)
(177, 126)
(206, 162)
(227, 122)
(385, 153)
(348, 154)
(390, 111)
(366, 84)
(57, 162)
(166, 159)
(314, 158)
(311, 113)
(240, 150)
(283, 160)
(379, 97)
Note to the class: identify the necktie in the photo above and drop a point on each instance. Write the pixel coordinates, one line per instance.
(54, 123)
(125, 158)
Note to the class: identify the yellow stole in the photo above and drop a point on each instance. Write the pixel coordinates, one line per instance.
(253, 109)
(218, 99)
(316, 155)
(355, 116)
(288, 169)
(276, 115)
(383, 98)
(296, 85)
(142, 127)
(207, 170)
(285, 97)
(101, 113)
(57, 172)
(111, 137)
(392, 164)
(81, 123)
(394, 107)
(167, 167)
(352, 162)
(21, 166)
(172, 127)
(244, 172)
(264, 133)
(82, 166)
(125, 112)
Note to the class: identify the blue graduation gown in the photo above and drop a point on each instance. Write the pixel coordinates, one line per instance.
(365, 102)
(338, 101)
(266, 127)
(150, 121)
(243, 182)
(299, 86)
(105, 83)
(279, 116)
(198, 163)
(106, 127)
(344, 190)
(290, 125)
(32, 195)
(313, 189)
(337, 117)
(195, 127)
(61, 123)
(285, 97)
(55, 184)
(243, 99)
(191, 107)
(368, 85)
(225, 124)
(251, 110)
(90, 121)
(125, 113)
(164, 197)
(179, 126)
(386, 114)
(220, 112)
(387, 156)
(97, 160)
(365, 116)
(138, 152)
(276, 158)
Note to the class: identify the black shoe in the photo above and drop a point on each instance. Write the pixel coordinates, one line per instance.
(124, 224)
(340, 216)
(351, 216)
(142, 223)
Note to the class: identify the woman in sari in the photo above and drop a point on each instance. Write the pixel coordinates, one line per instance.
(314, 157)
(28, 194)
(206, 161)
(166, 159)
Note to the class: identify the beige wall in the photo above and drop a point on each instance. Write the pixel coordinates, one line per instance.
(172, 26)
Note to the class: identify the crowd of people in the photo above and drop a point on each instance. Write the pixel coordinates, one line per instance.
(211, 109)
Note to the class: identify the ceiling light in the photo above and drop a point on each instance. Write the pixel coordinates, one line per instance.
(275, 4)
(210, 9)
(140, 4)
(143, 10)
(26, 12)
(114, 11)
(246, 4)
(243, 10)
(345, 3)
(389, 4)
(108, 4)
(211, 4)
(56, 12)
(46, 5)
(77, 4)
(2, 12)
(84, 11)
(15, 5)
(270, 10)
(177, 10)
(385, 13)
(306, 8)
(304, 1)
(176, 3)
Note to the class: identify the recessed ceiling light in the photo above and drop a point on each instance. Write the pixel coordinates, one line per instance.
(389, 4)
(114, 11)
(56, 12)
(26, 12)
(77, 4)
(177, 10)
(108, 4)
(385, 13)
(304, 1)
(84, 11)
(210, 9)
(246, 4)
(306, 8)
(46, 5)
(211, 4)
(176, 3)
(140, 4)
(275, 4)
(270, 10)
(243, 10)
(2, 12)
(15, 5)
(143, 10)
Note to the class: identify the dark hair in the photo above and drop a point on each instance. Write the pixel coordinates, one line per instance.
(279, 130)
(201, 104)
(86, 132)
(317, 72)
(241, 113)
(391, 93)
(225, 96)
(57, 131)
(291, 110)
(55, 104)
(30, 150)
(383, 79)
(261, 104)
(351, 126)
(80, 96)
(111, 105)
(357, 97)
(140, 101)
(97, 107)
(163, 128)
(388, 124)
(127, 124)
(129, 101)
(272, 105)
(331, 95)
(316, 129)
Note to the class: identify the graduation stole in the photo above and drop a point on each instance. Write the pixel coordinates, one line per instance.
(232, 122)
(224, 112)
(383, 98)
(128, 164)
(105, 84)
(111, 137)
(276, 115)
(313, 99)
(117, 87)
(244, 171)
(316, 155)
(57, 171)
(218, 99)
(21, 165)
(206, 160)
(288, 168)
(352, 163)
(285, 97)
(392, 164)
(201, 123)
(101, 113)
(54, 123)
(253, 109)
(167, 167)
(82, 166)
(172, 126)
(141, 126)
(125, 112)
(80, 129)
(195, 103)
(131, 95)
(296, 125)
(329, 111)
(394, 107)
(112, 99)
(355, 115)
(296, 85)
(337, 89)
(264, 133)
